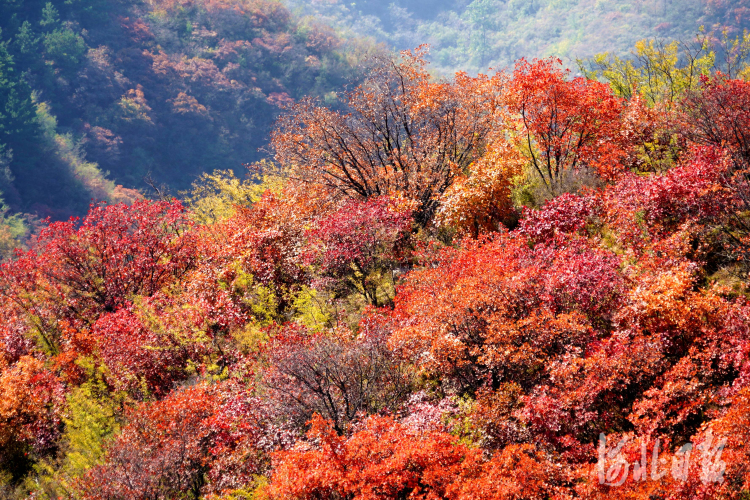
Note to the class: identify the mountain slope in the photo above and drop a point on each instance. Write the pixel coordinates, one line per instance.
(163, 89)
(475, 35)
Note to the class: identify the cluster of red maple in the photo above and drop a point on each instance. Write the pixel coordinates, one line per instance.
(395, 319)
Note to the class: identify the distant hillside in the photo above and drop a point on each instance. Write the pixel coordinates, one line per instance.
(475, 35)
(169, 89)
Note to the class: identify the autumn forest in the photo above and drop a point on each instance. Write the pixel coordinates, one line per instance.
(319, 270)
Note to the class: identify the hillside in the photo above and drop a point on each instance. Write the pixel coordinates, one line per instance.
(99, 93)
(523, 285)
(474, 35)
(528, 285)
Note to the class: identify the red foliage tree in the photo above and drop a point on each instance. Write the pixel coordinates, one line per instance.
(31, 409)
(645, 209)
(118, 251)
(500, 312)
(160, 453)
(76, 273)
(199, 440)
(147, 358)
(385, 459)
(355, 246)
(565, 214)
(565, 125)
(263, 242)
(718, 116)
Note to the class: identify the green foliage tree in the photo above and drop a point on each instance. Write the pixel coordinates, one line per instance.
(17, 114)
(50, 15)
(480, 15)
(65, 48)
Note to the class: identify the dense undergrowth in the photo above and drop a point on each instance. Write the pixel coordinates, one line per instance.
(515, 286)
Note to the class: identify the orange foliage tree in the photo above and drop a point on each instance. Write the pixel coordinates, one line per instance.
(31, 407)
(385, 459)
(481, 201)
(402, 135)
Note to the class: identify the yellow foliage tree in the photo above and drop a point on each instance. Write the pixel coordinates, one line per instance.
(480, 201)
(660, 72)
(215, 196)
